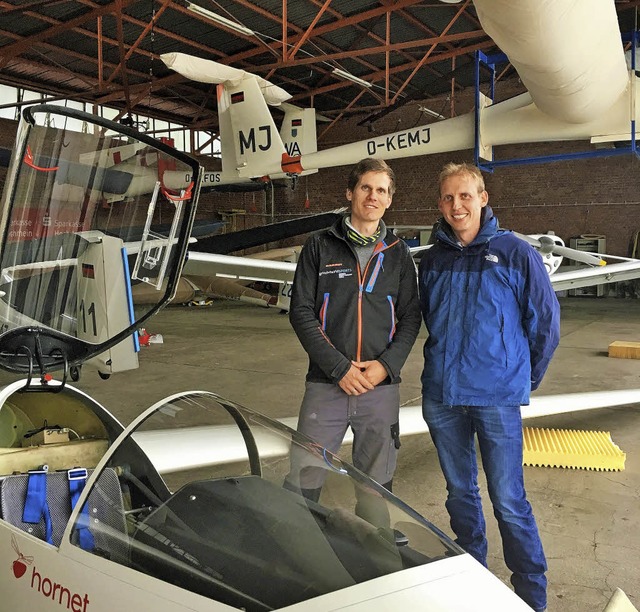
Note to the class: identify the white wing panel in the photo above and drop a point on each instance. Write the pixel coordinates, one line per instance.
(568, 53)
(239, 268)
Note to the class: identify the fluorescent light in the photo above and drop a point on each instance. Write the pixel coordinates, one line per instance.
(351, 77)
(428, 111)
(220, 20)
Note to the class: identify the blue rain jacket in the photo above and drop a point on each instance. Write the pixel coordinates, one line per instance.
(492, 316)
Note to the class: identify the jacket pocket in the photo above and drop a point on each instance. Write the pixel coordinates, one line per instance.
(324, 311)
(392, 313)
(505, 348)
(394, 446)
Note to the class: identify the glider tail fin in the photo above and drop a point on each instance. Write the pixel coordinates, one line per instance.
(250, 144)
(298, 132)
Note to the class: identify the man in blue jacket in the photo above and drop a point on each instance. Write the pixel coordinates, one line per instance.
(354, 308)
(494, 322)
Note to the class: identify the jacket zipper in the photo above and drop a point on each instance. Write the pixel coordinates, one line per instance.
(361, 277)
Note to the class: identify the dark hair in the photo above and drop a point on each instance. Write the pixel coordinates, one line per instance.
(371, 165)
(453, 169)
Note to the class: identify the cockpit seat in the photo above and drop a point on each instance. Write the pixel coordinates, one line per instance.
(105, 512)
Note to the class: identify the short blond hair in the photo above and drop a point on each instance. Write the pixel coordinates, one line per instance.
(453, 169)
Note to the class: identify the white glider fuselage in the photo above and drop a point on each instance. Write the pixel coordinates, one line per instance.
(163, 571)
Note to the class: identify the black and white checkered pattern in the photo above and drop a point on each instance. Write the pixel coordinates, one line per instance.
(106, 510)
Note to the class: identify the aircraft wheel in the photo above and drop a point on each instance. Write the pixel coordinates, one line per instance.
(104, 376)
(74, 373)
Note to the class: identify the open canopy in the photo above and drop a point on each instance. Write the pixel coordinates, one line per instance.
(216, 509)
(83, 203)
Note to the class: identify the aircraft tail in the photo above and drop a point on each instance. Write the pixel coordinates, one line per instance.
(249, 139)
(298, 131)
(250, 143)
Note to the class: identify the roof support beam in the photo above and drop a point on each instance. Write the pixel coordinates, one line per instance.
(386, 48)
(100, 57)
(9, 51)
(373, 36)
(386, 59)
(136, 45)
(285, 31)
(125, 76)
(308, 31)
(428, 53)
(336, 25)
(352, 103)
(374, 76)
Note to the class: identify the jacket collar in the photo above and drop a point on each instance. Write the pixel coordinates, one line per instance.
(338, 230)
(488, 229)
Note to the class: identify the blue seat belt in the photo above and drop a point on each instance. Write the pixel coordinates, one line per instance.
(35, 503)
(77, 479)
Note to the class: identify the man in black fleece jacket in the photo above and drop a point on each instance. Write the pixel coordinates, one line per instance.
(354, 308)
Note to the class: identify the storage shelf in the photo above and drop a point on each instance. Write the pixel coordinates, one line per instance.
(590, 243)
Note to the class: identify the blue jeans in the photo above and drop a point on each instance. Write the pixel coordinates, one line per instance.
(499, 431)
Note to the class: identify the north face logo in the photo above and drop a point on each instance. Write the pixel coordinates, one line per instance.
(491, 258)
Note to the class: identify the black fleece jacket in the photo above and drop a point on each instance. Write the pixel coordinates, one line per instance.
(341, 313)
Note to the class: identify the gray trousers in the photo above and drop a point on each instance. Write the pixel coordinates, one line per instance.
(325, 414)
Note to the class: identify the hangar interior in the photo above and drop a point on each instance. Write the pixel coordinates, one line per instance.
(414, 65)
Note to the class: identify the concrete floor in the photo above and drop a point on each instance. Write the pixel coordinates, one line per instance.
(589, 520)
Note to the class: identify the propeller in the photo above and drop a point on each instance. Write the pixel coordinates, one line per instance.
(549, 245)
